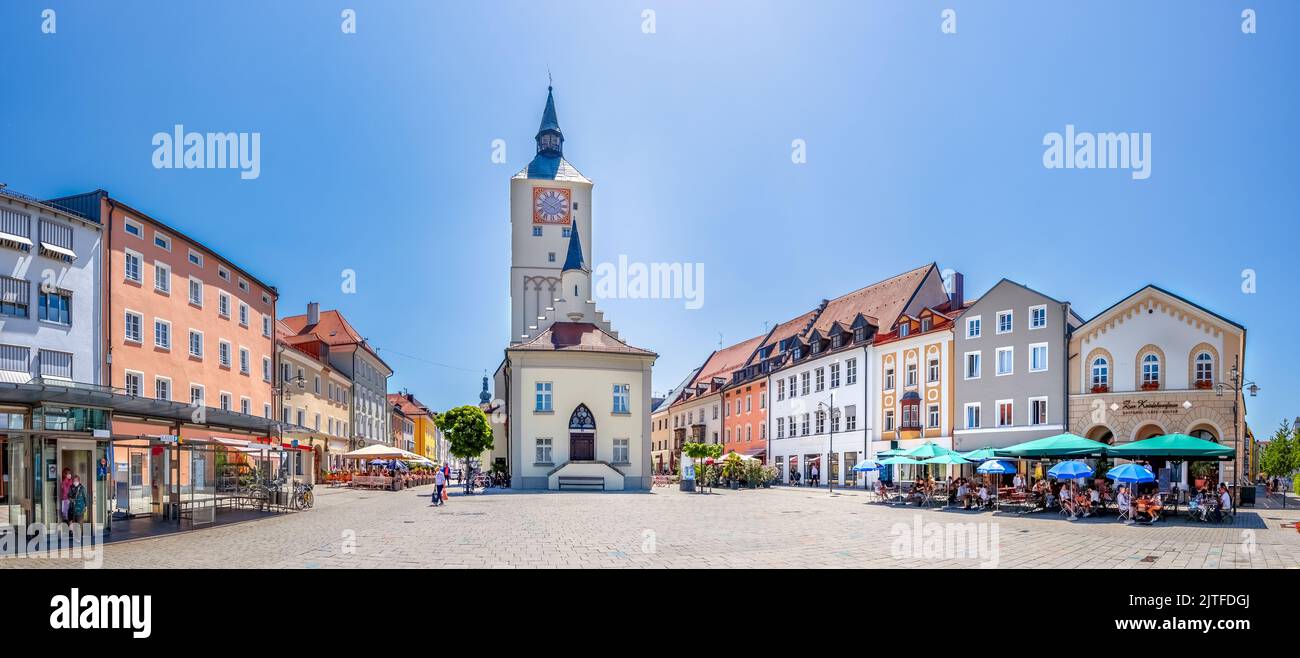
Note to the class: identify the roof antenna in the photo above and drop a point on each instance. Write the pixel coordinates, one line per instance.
(719, 340)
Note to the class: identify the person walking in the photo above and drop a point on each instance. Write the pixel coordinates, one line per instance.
(65, 484)
(439, 483)
(76, 500)
(815, 476)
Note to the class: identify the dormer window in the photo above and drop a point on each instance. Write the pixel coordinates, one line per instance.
(836, 341)
(860, 334)
(798, 353)
(925, 324)
(817, 346)
(903, 330)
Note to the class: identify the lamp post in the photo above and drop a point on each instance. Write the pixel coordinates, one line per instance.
(832, 414)
(1236, 384)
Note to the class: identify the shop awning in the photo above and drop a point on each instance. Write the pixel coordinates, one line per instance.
(45, 391)
(14, 377)
(1174, 446)
(1061, 445)
(58, 250)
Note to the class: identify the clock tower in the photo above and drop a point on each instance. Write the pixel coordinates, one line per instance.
(549, 200)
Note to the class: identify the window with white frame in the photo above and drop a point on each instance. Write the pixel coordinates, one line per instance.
(223, 304)
(821, 379)
(1037, 411)
(132, 326)
(1038, 357)
(162, 334)
(1006, 415)
(909, 375)
(543, 402)
(161, 241)
(1037, 317)
(621, 395)
(780, 428)
(196, 292)
(835, 375)
(224, 401)
(196, 343)
(223, 273)
(932, 416)
(780, 389)
(1100, 372)
(850, 418)
(889, 379)
(162, 277)
(196, 259)
(1005, 360)
(243, 361)
(973, 327)
(266, 368)
(621, 452)
(932, 370)
(246, 406)
(821, 422)
(243, 314)
(266, 326)
(794, 387)
(1150, 370)
(134, 228)
(1204, 367)
(133, 266)
(851, 372)
(803, 383)
(972, 415)
(134, 383)
(223, 353)
(749, 403)
(804, 425)
(1005, 322)
(542, 450)
(162, 388)
(972, 365)
(889, 420)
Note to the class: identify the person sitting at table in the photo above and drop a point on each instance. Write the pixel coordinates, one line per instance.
(1094, 500)
(1018, 482)
(1049, 495)
(918, 492)
(881, 491)
(1067, 502)
(984, 494)
(1196, 507)
(1153, 506)
(1225, 502)
(1124, 502)
(963, 494)
(1083, 502)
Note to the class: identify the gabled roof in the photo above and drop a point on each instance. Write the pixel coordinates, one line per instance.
(578, 337)
(409, 406)
(1164, 292)
(883, 300)
(676, 393)
(790, 328)
(727, 359)
(333, 329)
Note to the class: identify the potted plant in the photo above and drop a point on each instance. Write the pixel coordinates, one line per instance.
(754, 473)
(1150, 386)
(1100, 388)
(1204, 384)
(732, 469)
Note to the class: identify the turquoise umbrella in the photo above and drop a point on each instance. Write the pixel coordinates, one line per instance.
(982, 454)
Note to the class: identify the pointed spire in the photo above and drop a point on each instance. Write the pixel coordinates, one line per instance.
(550, 139)
(484, 397)
(573, 260)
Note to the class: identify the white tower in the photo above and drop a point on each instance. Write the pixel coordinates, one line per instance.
(548, 200)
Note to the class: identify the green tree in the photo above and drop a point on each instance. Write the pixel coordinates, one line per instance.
(699, 452)
(468, 433)
(1281, 456)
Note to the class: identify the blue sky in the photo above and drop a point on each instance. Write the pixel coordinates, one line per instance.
(921, 146)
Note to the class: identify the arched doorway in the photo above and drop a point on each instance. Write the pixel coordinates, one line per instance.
(1101, 434)
(582, 435)
(1148, 431)
(1206, 474)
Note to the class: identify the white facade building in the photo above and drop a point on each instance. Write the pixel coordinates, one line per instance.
(577, 398)
(51, 308)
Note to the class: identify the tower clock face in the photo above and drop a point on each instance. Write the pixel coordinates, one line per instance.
(551, 205)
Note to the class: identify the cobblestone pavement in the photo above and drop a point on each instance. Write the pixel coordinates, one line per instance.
(666, 528)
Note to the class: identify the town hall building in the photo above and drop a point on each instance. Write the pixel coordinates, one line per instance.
(576, 410)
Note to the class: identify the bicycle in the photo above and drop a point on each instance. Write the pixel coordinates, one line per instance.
(303, 498)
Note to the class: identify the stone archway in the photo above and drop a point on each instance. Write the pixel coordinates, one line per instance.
(1146, 431)
(1101, 434)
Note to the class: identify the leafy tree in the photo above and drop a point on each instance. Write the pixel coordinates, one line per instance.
(699, 452)
(1281, 456)
(468, 434)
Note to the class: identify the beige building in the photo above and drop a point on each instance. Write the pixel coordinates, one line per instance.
(1156, 363)
(313, 398)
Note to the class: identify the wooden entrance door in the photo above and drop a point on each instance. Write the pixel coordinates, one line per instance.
(582, 447)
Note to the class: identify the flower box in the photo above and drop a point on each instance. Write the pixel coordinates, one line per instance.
(1150, 386)
(1204, 384)
(1100, 388)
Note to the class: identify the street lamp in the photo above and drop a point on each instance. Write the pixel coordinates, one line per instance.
(832, 414)
(1236, 385)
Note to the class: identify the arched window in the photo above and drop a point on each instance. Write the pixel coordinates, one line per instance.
(1204, 370)
(1150, 371)
(1100, 372)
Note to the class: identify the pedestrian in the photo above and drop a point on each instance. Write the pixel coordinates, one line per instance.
(439, 483)
(76, 500)
(64, 485)
(815, 476)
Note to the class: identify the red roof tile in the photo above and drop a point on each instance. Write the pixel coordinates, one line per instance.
(578, 337)
(332, 329)
(881, 301)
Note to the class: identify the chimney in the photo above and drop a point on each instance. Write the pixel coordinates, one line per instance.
(313, 313)
(956, 297)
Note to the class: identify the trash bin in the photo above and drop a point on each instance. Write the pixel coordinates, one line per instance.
(1247, 495)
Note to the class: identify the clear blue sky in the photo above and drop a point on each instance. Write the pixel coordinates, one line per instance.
(921, 147)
